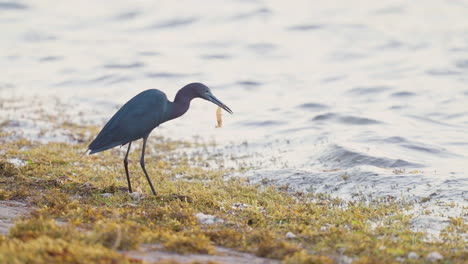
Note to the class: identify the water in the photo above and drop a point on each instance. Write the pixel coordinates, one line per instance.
(344, 97)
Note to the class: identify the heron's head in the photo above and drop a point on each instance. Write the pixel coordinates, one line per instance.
(204, 92)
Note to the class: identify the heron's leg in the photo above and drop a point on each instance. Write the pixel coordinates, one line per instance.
(126, 167)
(142, 163)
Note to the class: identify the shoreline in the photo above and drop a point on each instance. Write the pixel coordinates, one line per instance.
(88, 194)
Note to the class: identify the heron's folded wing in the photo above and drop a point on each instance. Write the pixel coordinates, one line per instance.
(134, 120)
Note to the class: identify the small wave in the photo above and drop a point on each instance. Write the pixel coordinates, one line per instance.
(347, 56)
(427, 149)
(414, 145)
(127, 15)
(394, 140)
(368, 90)
(322, 117)
(124, 66)
(403, 94)
(216, 56)
(305, 27)
(178, 22)
(261, 48)
(107, 79)
(333, 78)
(455, 115)
(50, 58)
(119, 79)
(350, 120)
(104, 78)
(343, 158)
(353, 120)
(432, 121)
(312, 106)
(263, 123)
(34, 36)
(393, 44)
(288, 131)
(398, 107)
(462, 64)
(255, 13)
(249, 83)
(12, 6)
(165, 75)
(442, 72)
(457, 143)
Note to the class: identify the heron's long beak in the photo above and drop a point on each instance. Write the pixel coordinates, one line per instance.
(215, 100)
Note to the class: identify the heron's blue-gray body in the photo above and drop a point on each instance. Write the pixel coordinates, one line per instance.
(143, 113)
(133, 120)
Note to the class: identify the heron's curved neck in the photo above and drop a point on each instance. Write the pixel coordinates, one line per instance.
(181, 102)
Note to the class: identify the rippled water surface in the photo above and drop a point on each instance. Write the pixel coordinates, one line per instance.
(344, 97)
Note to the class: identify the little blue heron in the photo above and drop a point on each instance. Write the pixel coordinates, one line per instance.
(143, 113)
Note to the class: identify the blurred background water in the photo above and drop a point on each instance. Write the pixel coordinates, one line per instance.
(343, 97)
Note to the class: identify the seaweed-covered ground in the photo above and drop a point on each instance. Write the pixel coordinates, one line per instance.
(80, 211)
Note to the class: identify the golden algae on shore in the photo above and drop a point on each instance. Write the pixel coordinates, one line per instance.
(49, 250)
(83, 213)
